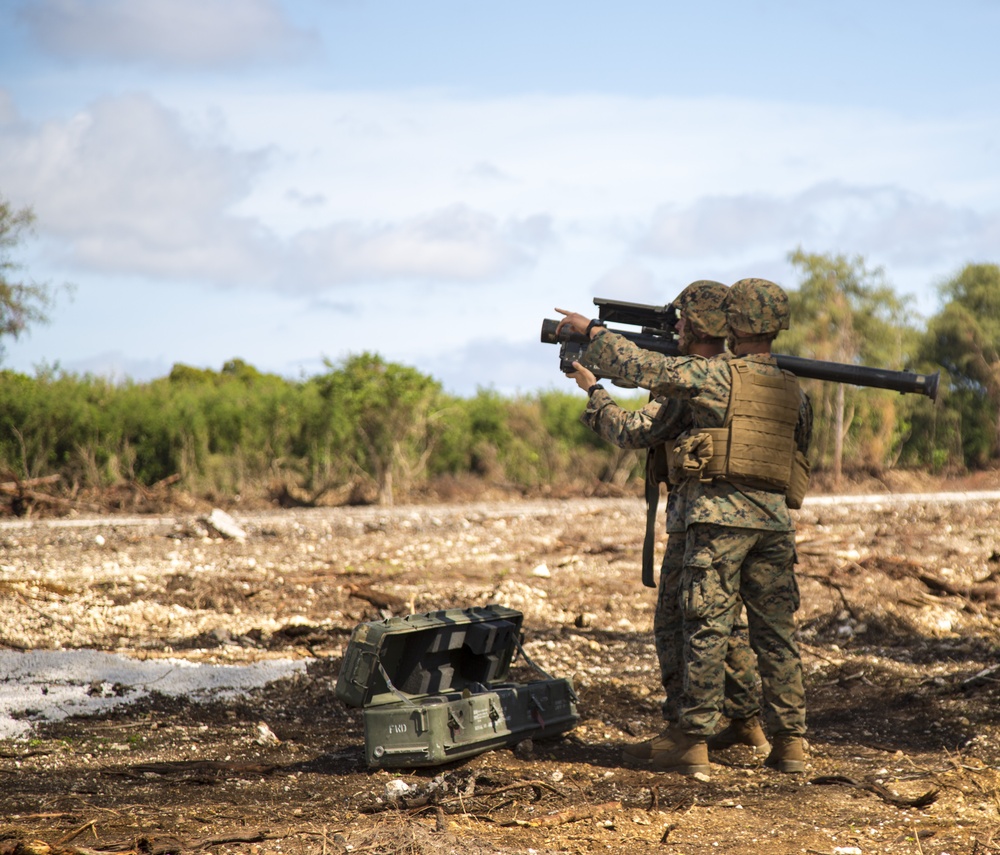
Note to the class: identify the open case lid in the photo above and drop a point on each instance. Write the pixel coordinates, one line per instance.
(428, 654)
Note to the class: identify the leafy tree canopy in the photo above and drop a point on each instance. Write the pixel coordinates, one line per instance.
(965, 336)
(845, 311)
(22, 301)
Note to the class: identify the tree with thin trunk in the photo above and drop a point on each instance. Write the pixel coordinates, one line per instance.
(23, 302)
(845, 312)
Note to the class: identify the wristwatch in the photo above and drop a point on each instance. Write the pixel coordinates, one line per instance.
(594, 388)
(596, 322)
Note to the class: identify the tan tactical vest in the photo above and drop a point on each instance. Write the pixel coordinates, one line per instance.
(756, 446)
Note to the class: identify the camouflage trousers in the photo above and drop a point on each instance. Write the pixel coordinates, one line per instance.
(722, 566)
(742, 686)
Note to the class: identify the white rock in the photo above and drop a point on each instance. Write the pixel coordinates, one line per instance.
(396, 789)
(224, 525)
(266, 736)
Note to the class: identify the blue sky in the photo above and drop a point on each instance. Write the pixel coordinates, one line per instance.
(293, 182)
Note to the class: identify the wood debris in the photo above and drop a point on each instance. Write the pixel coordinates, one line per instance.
(883, 793)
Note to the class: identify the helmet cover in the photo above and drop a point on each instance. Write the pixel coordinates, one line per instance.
(756, 307)
(701, 305)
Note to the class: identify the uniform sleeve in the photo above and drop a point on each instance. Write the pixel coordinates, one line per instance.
(668, 376)
(655, 423)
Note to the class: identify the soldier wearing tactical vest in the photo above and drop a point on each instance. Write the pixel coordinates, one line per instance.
(656, 426)
(735, 468)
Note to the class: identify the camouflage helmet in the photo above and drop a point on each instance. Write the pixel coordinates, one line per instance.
(756, 307)
(701, 305)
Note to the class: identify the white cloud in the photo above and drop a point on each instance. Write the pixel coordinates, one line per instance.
(186, 33)
(631, 282)
(130, 191)
(361, 198)
(127, 189)
(720, 173)
(896, 224)
(455, 243)
(507, 368)
(8, 112)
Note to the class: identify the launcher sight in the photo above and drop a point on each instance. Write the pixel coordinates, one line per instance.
(656, 333)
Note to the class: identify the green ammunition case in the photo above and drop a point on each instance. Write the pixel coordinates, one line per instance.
(433, 687)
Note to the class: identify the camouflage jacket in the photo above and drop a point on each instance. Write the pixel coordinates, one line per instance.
(661, 420)
(705, 385)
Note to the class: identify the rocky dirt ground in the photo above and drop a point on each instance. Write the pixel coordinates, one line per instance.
(898, 627)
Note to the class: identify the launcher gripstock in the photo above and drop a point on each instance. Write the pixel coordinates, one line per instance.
(655, 337)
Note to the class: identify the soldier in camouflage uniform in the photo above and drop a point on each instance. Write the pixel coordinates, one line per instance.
(701, 332)
(749, 418)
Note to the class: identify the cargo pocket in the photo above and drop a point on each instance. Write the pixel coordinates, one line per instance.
(699, 587)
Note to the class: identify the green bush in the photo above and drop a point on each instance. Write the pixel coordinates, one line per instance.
(367, 429)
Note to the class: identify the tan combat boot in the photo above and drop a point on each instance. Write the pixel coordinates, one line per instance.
(638, 753)
(740, 731)
(676, 751)
(788, 754)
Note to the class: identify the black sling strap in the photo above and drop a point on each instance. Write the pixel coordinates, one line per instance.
(652, 502)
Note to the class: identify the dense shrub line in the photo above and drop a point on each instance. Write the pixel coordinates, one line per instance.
(365, 430)
(368, 430)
